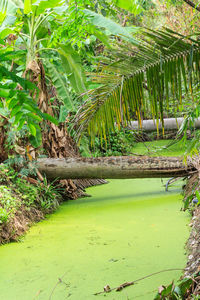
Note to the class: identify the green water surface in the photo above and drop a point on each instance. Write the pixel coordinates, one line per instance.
(160, 148)
(126, 230)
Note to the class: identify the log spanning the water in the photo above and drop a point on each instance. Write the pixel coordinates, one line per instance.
(118, 167)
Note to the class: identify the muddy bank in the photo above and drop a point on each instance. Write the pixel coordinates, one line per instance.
(19, 224)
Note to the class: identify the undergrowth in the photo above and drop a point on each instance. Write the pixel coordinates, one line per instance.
(184, 289)
(116, 143)
(16, 192)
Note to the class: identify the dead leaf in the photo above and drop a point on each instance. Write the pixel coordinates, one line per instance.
(20, 150)
(34, 67)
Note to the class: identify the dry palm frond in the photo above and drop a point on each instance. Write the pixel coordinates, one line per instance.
(135, 80)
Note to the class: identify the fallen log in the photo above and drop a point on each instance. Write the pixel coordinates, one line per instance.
(118, 167)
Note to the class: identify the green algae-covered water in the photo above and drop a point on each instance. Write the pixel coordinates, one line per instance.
(160, 148)
(126, 230)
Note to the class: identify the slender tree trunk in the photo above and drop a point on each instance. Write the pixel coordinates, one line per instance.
(114, 167)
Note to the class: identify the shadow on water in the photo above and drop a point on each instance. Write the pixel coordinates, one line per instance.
(133, 196)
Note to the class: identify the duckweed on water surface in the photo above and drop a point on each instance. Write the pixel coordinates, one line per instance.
(127, 229)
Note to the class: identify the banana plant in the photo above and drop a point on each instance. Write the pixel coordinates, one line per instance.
(16, 103)
(34, 35)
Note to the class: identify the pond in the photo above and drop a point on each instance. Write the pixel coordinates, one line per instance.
(126, 230)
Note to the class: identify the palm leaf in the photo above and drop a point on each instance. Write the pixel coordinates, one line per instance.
(154, 74)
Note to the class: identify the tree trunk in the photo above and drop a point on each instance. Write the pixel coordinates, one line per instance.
(169, 124)
(114, 167)
(56, 141)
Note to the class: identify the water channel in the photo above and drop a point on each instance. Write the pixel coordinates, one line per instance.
(126, 230)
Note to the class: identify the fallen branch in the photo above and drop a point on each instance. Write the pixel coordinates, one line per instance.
(57, 283)
(107, 288)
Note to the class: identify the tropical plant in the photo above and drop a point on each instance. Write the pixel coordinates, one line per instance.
(32, 22)
(16, 103)
(177, 291)
(117, 143)
(31, 31)
(136, 78)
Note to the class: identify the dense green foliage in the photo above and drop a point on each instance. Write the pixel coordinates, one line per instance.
(177, 291)
(54, 33)
(117, 143)
(70, 38)
(16, 192)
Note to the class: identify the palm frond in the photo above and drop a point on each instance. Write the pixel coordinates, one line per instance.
(134, 80)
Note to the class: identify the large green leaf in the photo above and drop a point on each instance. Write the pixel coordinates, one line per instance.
(50, 118)
(13, 5)
(113, 27)
(11, 75)
(131, 5)
(63, 114)
(99, 34)
(27, 6)
(36, 140)
(4, 92)
(32, 128)
(72, 66)
(5, 32)
(140, 80)
(60, 83)
(39, 6)
(3, 9)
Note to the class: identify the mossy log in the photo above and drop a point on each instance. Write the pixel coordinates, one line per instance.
(119, 167)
